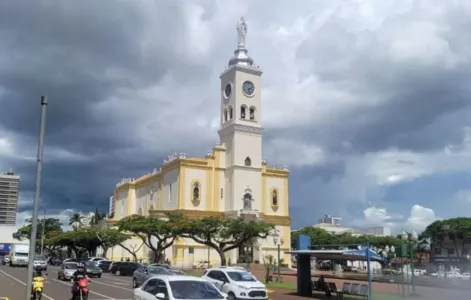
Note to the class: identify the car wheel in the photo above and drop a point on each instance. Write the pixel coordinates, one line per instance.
(231, 296)
(134, 283)
(99, 276)
(58, 276)
(118, 273)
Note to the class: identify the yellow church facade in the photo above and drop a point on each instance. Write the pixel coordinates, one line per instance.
(232, 180)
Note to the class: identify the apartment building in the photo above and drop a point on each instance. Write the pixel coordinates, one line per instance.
(9, 190)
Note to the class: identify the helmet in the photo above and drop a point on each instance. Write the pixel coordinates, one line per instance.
(80, 266)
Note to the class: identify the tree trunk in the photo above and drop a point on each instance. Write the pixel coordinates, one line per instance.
(222, 256)
(105, 250)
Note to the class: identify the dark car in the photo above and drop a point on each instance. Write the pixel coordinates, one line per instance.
(104, 265)
(124, 268)
(91, 269)
(143, 273)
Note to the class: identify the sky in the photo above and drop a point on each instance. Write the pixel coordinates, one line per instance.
(367, 102)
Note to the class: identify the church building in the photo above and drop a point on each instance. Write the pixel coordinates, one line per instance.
(232, 180)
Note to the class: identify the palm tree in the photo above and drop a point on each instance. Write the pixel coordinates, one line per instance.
(97, 217)
(76, 220)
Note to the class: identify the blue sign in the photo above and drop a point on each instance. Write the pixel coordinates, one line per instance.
(5, 247)
(303, 242)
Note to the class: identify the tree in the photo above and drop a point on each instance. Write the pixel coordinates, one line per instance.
(132, 251)
(224, 234)
(97, 217)
(52, 227)
(456, 229)
(109, 238)
(157, 234)
(76, 220)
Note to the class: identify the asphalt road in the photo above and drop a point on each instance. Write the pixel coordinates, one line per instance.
(13, 286)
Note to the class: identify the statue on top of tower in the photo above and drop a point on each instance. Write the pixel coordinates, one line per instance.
(241, 32)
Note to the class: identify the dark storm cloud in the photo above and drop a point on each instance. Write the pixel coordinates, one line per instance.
(79, 54)
(407, 104)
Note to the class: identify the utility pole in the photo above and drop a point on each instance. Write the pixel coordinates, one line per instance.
(42, 234)
(34, 225)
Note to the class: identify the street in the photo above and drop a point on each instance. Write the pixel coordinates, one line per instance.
(13, 285)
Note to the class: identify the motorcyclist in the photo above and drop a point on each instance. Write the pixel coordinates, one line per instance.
(37, 272)
(79, 274)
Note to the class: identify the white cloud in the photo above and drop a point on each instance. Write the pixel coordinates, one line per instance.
(63, 216)
(419, 217)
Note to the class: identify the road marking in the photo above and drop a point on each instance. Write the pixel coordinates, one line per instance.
(91, 292)
(23, 283)
(118, 287)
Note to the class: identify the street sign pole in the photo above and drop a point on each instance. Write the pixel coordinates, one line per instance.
(34, 224)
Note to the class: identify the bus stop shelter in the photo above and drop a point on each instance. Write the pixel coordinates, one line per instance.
(304, 287)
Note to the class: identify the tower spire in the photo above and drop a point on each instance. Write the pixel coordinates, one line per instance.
(241, 56)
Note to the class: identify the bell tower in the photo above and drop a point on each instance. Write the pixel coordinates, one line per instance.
(240, 125)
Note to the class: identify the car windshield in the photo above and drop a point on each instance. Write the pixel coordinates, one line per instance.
(192, 289)
(157, 270)
(21, 254)
(70, 266)
(38, 258)
(90, 264)
(240, 276)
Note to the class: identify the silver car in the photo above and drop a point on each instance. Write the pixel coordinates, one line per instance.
(143, 273)
(169, 268)
(41, 262)
(67, 270)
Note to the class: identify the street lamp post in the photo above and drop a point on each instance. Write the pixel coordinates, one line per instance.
(278, 241)
(387, 253)
(411, 239)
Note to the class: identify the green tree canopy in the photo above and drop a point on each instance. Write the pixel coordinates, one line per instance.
(456, 229)
(224, 234)
(157, 234)
(52, 227)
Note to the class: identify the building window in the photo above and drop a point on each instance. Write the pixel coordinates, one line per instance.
(151, 207)
(274, 197)
(252, 113)
(195, 192)
(248, 162)
(139, 211)
(225, 115)
(222, 193)
(122, 207)
(242, 111)
(170, 193)
(231, 112)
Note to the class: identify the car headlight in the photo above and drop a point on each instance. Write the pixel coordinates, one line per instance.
(243, 287)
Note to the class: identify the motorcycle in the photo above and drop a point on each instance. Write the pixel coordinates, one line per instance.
(81, 290)
(38, 287)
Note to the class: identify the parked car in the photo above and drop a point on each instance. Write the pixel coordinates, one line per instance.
(40, 261)
(143, 273)
(236, 283)
(169, 268)
(177, 287)
(70, 260)
(91, 269)
(95, 260)
(6, 260)
(57, 261)
(66, 270)
(104, 265)
(466, 276)
(123, 268)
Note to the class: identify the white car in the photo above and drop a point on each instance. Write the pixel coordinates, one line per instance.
(236, 283)
(41, 262)
(95, 260)
(466, 276)
(177, 287)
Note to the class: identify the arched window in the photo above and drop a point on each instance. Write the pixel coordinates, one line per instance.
(196, 191)
(242, 111)
(231, 112)
(247, 201)
(248, 162)
(274, 197)
(225, 115)
(151, 207)
(139, 212)
(252, 113)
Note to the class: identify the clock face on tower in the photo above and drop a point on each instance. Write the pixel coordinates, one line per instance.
(228, 90)
(248, 88)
